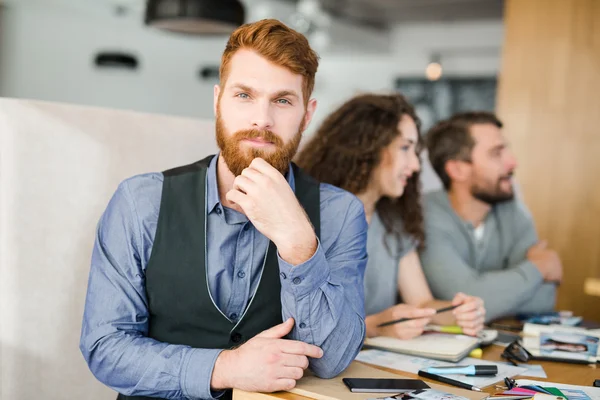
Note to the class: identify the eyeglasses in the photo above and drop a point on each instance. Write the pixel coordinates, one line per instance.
(516, 352)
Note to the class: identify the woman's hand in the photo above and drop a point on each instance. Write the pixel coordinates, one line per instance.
(470, 315)
(401, 330)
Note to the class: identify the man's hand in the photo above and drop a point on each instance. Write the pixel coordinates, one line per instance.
(546, 261)
(265, 363)
(401, 330)
(470, 315)
(270, 204)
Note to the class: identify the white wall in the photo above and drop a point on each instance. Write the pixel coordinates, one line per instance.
(46, 53)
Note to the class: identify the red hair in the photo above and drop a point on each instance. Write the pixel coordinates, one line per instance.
(277, 43)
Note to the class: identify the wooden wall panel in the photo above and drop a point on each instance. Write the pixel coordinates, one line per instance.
(549, 99)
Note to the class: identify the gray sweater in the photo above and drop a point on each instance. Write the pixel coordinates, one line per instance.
(494, 268)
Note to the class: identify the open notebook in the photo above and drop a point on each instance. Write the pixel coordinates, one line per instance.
(439, 346)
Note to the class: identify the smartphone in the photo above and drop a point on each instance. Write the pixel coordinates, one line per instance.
(375, 385)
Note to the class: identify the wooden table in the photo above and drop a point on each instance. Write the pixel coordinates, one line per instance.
(573, 374)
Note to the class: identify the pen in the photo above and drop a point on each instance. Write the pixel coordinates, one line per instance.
(449, 381)
(397, 321)
(471, 370)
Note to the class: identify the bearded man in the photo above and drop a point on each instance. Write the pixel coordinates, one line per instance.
(237, 271)
(479, 239)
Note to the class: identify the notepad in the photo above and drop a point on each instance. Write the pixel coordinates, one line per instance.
(437, 346)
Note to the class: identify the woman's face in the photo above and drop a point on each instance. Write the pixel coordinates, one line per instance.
(399, 160)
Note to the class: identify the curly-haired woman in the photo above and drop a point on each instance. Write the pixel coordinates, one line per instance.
(370, 147)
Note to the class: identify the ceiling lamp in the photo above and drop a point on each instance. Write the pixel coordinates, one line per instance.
(199, 17)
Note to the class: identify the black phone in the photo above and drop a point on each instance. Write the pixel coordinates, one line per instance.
(376, 385)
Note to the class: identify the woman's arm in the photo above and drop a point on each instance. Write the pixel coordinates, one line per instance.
(414, 290)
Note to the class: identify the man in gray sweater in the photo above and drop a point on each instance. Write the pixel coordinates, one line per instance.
(479, 239)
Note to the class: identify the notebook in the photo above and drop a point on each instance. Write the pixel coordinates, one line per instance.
(438, 346)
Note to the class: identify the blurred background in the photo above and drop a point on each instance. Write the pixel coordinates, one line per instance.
(535, 62)
(444, 54)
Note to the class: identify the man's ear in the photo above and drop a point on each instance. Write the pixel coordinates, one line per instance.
(311, 107)
(216, 92)
(458, 171)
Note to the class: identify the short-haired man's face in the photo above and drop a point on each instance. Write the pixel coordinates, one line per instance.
(260, 113)
(493, 165)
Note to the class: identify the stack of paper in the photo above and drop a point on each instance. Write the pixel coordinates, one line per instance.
(562, 342)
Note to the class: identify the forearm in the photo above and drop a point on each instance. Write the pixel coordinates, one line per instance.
(329, 313)
(542, 301)
(502, 291)
(135, 365)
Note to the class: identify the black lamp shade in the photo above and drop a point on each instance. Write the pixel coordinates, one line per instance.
(195, 16)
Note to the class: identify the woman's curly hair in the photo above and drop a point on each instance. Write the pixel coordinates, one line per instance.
(348, 147)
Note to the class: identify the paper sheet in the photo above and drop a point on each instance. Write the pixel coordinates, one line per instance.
(533, 370)
(413, 364)
(569, 390)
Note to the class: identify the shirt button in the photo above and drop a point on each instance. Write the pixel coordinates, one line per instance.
(296, 281)
(247, 226)
(241, 274)
(233, 316)
(302, 325)
(218, 210)
(236, 337)
(282, 275)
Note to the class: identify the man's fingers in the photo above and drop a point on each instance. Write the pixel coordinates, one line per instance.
(236, 197)
(265, 168)
(243, 184)
(253, 174)
(290, 373)
(284, 384)
(278, 331)
(293, 360)
(300, 348)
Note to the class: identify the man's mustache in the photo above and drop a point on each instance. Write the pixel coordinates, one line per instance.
(507, 176)
(265, 135)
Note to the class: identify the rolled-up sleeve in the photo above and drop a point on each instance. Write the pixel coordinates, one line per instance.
(325, 294)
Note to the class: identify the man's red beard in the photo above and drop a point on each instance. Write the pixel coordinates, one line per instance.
(237, 157)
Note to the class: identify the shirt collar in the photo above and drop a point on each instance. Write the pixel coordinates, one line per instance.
(212, 188)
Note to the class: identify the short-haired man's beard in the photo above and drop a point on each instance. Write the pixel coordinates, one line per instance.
(237, 158)
(493, 195)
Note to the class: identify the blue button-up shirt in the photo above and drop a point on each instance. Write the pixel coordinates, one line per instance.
(324, 294)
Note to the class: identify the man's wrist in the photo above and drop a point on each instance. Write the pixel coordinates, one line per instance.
(220, 379)
(298, 248)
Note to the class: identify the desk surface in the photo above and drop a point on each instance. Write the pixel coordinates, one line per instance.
(573, 374)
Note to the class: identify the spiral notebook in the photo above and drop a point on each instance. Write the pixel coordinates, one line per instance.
(438, 346)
